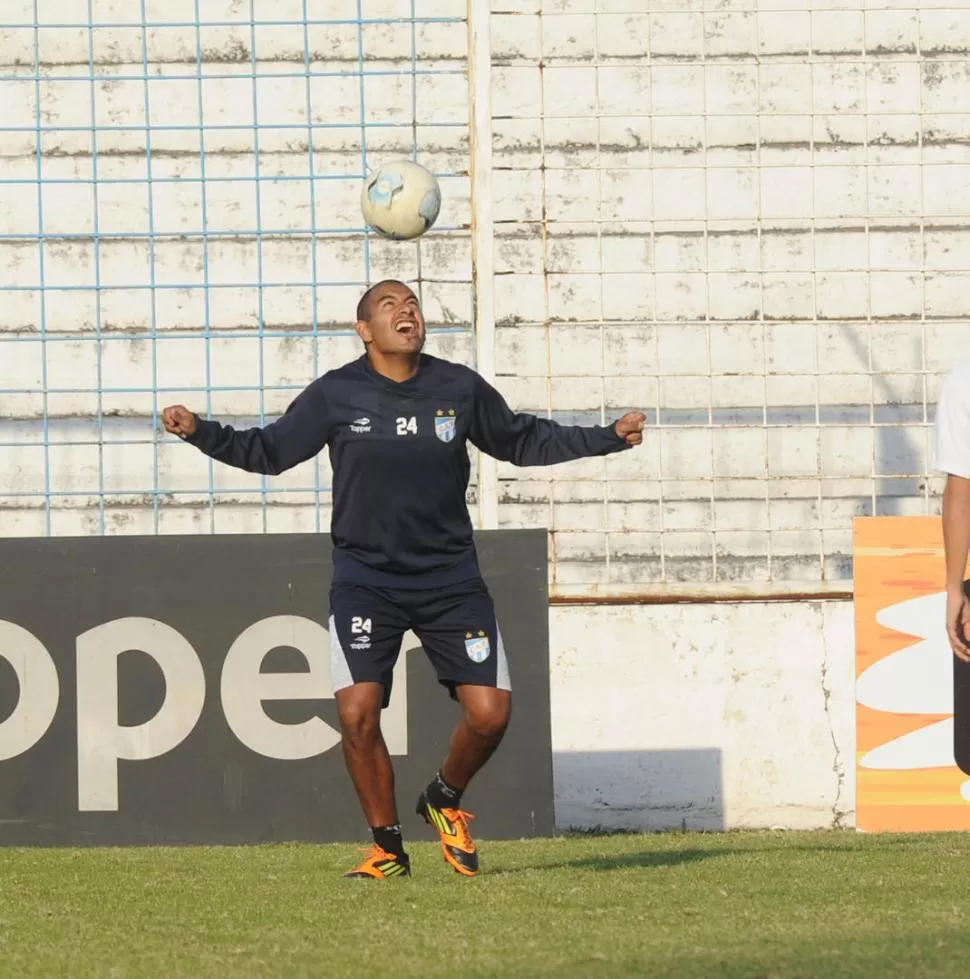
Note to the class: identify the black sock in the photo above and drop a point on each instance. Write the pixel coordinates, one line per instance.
(442, 795)
(389, 839)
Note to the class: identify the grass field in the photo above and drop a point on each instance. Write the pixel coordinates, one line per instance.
(750, 904)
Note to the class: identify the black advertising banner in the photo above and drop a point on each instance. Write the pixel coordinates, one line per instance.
(160, 690)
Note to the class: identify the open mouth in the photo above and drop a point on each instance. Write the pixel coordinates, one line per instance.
(406, 327)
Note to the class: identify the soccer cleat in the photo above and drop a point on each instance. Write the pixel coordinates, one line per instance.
(380, 865)
(456, 842)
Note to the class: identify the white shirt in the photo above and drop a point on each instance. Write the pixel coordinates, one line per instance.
(952, 430)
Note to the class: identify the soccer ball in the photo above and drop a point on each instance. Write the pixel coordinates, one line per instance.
(401, 200)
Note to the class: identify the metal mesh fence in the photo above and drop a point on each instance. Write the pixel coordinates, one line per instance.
(179, 222)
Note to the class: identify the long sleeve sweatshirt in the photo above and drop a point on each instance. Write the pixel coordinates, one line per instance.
(400, 462)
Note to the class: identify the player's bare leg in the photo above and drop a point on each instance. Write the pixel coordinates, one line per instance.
(485, 717)
(369, 765)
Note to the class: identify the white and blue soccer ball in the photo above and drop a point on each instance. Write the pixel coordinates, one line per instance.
(401, 200)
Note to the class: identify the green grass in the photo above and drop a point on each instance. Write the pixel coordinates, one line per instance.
(821, 905)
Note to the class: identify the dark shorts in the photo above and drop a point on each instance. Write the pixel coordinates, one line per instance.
(455, 625)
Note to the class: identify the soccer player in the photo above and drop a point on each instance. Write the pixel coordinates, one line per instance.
(952, 456)
(397, 422)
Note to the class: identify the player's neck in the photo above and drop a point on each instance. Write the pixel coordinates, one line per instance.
(395, 367)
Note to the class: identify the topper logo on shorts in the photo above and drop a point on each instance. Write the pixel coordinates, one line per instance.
(360, 425)
(361, 629)
(477, 647)
(444, 425)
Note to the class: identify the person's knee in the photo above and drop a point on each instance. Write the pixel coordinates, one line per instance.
(489, 716)
(360, 715)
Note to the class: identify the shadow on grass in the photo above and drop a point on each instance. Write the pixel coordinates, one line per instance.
(861, 846)
(620, 861)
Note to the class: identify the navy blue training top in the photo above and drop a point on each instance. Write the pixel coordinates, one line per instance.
(400, 463)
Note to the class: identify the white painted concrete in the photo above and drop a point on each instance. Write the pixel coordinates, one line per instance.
(750, 223)
(705, 716)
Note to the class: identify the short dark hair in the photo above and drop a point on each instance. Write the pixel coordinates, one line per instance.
(363, 307)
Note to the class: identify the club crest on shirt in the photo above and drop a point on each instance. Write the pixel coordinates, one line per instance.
(444, 425)
(477, 647)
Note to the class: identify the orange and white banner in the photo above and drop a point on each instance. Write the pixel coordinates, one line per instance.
(907, 779)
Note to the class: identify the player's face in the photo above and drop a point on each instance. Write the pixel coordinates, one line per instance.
(395, 324)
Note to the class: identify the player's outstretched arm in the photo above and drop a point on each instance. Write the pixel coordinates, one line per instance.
(527, 440)
(295, 437)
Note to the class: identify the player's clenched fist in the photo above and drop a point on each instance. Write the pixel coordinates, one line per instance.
(179, 421)
(630, 427)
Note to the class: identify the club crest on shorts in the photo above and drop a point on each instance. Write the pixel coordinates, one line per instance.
(477, 647)
(444, 425)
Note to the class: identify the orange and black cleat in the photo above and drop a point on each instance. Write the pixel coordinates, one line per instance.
(456, 842)
(380, 865)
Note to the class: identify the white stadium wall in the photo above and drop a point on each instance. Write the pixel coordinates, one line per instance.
(749, 221)
(701, 716)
